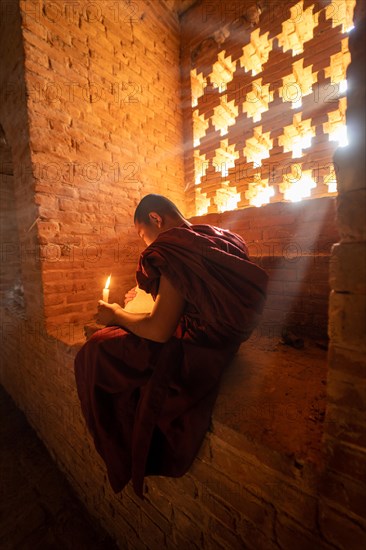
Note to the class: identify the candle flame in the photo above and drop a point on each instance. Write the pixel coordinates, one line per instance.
(108, 282)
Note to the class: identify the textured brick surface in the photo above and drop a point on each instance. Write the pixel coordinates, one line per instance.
(341, 513)
(38, 507)
(97, 86)
(80, 166)
(293, 244)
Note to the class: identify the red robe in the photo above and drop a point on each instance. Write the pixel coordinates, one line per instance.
(147, 404)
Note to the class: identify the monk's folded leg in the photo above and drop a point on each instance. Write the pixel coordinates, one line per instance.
(109, 370)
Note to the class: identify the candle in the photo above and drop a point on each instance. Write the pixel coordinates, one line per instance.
(106, 290)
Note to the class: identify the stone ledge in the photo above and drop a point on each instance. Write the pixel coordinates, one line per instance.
(274, 395)
(90, 328)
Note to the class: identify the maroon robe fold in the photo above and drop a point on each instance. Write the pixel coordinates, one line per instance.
(147, 404)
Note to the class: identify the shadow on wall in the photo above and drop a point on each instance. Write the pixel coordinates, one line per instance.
(292, 242)
(11, 285)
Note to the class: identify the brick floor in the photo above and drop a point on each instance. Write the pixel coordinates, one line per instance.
(38, 509)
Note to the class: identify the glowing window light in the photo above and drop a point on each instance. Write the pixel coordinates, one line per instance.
(300, 143)
(259, 193)
(225, 157)
(226, 198)
(298, 184)
(302, 135)
(255, 54)
(336, 125)
(202, 202)
(200, 126)
(297, 136)
(341, 13)
(337, 70)
(222, 71)
(298, 28)
(257, 100)
(343, 86)
(200, 167)
(224, 115)
(198, 85)
(298, 84)
(339, 134)
(258, 147)
(330, 180)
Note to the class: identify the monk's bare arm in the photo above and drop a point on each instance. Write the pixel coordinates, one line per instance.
(160, 324)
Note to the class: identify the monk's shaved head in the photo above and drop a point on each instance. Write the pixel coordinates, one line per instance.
(155, 203)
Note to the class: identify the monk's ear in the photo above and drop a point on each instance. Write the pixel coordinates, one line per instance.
(155, 219)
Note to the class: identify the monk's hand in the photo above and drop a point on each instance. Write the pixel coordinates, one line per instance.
(106, 313)
(131, 294)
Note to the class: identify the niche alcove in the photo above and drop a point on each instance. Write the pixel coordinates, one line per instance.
(264, 95)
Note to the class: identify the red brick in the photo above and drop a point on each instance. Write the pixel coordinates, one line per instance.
(347, 459)
(38, 57)
(249, 486)
(224, 513)
(78, 297)
(290, 498)
(341, 277)
(276, 287)
(68, 204)
(180, 541)
(254, 538)
(349, 495)
(251, 235)
(346, 391)
(350, 362)
(185, 491)
(230, 540)
(159, 500)
(340, 530)
(128, 533)
(347, 321)
(48, 201)
(211, 543)
(273, 221)
(351, 209)
(187, 528)
(55, 299)
(69, 217)
(349, 171)
(290, 534)
(229, 492)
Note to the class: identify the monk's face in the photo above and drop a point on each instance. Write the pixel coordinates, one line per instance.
(148, 232)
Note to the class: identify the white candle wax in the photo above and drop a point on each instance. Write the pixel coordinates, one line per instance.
(106, 289)
(105, 294)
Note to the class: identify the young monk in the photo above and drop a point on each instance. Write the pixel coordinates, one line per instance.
(147, 382)
(160, 324)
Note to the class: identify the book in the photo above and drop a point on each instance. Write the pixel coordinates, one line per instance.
(142, 303)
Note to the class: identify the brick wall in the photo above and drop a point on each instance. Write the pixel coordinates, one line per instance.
(230, 98)
(343, 488)
(292, 241)
(19, 240)
(97, 86)
(230, 498)
(11, 291)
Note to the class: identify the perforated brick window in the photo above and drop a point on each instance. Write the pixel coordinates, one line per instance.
(269, 104)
